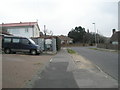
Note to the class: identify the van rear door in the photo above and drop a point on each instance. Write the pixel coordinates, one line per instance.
(6, 43)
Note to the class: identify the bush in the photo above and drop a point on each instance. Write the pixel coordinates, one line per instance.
(58, 43)
(71, 51)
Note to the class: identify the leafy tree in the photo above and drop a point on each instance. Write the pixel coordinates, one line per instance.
(77, 34)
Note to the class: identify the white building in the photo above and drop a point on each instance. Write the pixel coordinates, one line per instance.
(24, 29)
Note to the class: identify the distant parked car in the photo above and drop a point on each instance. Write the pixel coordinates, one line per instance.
(13, 44)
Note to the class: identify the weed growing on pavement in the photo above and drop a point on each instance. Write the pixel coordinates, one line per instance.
(71, 51)
(37, 64)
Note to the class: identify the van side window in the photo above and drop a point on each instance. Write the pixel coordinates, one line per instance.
(16, 40)
(25, 41)
(7, 40)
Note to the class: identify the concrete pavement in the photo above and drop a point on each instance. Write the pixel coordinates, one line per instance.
(62, 72)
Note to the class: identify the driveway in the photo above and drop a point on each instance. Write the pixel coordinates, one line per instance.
(18, 69)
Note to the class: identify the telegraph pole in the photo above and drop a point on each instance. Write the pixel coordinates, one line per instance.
(95, 33)
(44, 37)
(98, 35)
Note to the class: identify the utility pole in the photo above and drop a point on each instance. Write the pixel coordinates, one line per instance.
(45, 31)
(95, 33)
(98, 36)
(45, 37)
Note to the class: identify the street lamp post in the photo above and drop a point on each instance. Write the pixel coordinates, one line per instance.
(95, 33)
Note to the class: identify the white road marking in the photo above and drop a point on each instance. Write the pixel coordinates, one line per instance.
(102, 71)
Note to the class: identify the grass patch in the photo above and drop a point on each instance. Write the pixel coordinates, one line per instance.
(71, 51)
(108, 50)
(93, 48)
(37, 63)
(99, 49)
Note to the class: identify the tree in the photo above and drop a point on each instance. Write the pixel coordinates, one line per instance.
(77, 34)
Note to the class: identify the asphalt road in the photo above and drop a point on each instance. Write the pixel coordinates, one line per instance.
(106, 60)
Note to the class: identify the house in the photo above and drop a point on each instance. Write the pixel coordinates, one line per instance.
(65, 39)
(24, 29)
(114, 38)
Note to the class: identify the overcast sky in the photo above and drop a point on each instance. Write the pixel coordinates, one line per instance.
(60, 16)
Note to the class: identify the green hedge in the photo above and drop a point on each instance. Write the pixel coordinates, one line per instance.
(58, 43)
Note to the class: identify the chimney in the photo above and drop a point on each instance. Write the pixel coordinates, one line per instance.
(114, 31)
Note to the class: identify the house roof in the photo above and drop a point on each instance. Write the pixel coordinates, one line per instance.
(115, 36)
(18, 24)
(65, 38)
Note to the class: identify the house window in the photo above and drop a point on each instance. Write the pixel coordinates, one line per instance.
(115, 43)
(26, 30)
(62, 41)
(13, 31)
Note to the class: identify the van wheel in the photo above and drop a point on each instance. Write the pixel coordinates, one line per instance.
(7, 51)
(33, 52)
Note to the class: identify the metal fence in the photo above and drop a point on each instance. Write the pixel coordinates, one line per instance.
(46, 44)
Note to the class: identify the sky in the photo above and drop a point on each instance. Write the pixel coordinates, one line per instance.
(60, 16)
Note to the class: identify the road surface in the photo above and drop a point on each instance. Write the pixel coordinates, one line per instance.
(106, 60)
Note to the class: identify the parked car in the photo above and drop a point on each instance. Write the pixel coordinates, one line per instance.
(13, 44)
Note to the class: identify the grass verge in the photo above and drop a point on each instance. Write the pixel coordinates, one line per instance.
(104, 49)
(71, 51)
(93, 48)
